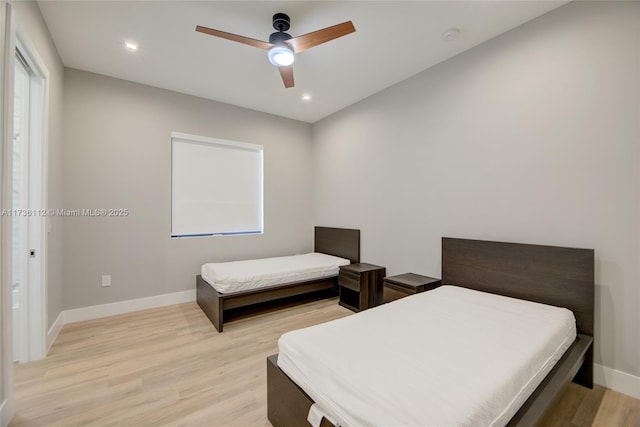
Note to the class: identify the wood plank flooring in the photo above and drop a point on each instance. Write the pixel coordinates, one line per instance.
(169, 367)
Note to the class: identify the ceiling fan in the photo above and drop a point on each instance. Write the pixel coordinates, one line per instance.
(281, 46)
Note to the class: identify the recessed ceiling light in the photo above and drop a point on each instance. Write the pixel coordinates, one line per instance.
(306, 97)
(450, 34)
(131, 46)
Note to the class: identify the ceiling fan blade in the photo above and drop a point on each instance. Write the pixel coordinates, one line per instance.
(234, 37)
(287, 75)
(309, 40)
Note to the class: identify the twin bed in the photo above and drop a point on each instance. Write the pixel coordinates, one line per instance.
(225, 286)
(495, 345)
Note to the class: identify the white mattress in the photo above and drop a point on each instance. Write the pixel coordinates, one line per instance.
(447, 357)
(228, 277)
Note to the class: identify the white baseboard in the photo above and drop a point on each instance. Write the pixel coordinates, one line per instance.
(617, 380)
(122, 307)
(54, 330)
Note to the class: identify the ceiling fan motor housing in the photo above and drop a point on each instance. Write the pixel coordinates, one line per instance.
(278, 38)
(281, 22)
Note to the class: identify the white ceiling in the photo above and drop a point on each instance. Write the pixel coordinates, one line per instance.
(393, 40)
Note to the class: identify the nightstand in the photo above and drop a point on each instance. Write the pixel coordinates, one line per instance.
(360, 286)
(402, 285)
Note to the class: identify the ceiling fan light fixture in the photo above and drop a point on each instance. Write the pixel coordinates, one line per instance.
(281, 56)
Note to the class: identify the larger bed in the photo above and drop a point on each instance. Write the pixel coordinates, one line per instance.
(453, 356)
(225, 286)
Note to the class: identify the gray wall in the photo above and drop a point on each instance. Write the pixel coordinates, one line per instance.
(531, 137)
(117, 155)
(29, 23)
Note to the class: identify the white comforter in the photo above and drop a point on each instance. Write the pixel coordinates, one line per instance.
(447, 357)
(228, 277)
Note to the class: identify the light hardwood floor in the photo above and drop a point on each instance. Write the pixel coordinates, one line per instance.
(169, 367)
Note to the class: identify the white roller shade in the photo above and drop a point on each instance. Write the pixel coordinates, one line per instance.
(216, 186)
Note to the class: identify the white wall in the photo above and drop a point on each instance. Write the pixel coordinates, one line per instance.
(117, 155)
(531, 137)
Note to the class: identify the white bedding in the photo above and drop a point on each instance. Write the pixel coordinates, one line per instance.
(228, 277)
(447, 357)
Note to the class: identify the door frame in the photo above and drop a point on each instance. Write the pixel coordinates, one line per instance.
(37, 321)
(9, 37)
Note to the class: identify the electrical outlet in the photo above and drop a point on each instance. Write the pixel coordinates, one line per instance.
(106, 280)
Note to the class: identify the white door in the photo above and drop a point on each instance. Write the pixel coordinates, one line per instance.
(28, 203)
(19, 209)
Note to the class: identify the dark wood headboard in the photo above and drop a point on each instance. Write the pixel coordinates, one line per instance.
(342, 242)
(562, 277)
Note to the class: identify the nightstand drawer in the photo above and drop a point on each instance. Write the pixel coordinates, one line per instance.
(391, 294)
(349, 280)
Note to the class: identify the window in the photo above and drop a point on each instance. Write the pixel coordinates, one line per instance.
(216, 187)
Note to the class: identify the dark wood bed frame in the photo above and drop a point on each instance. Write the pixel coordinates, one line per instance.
(342, 242)
(547, 274)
